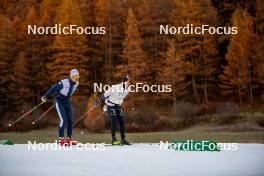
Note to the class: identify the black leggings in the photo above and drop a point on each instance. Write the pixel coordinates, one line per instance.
(116, 113)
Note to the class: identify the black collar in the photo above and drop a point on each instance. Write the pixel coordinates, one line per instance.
(71, 82)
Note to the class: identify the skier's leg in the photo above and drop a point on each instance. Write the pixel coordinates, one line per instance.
(68, 109)
(112, 114)
(121, 120)
(62, 115)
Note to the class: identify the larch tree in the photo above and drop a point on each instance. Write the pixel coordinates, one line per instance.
(257, 50)
(151, 14)
(259, 46)
(101, 11)
(237, 79)
(173, 73)
(110, 14)
(198, 51)
(21, 69)
(135, 61)
(209, 59)
(48, 10)
(7, 55)
(69, 49)
(32, 54)
(260, 17)
(47, 17)
(87, 8)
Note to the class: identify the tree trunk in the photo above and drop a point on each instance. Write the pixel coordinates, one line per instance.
(194, 86)
(239, 93)
(205, 91)
(250, 84)
(195, 90)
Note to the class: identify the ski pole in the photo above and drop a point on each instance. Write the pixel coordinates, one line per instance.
(83, 116)
(94, 120)
(24, 115)
(42, 115)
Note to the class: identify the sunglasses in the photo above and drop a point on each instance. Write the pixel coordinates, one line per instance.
(76, 77)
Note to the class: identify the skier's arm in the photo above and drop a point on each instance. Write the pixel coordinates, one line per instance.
(103, 96)
(55, 88)
(108, 92)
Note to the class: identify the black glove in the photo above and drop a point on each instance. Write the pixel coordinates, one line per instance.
(98, 100)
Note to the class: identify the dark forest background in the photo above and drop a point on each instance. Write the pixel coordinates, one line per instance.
(215, 78)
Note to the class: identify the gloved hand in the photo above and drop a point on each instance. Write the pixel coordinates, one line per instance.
(97, 101)
(43, 99)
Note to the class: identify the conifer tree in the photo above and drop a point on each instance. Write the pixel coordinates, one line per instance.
(135, 61)
(173, 73)
(21, 69)
(48, 10)
(33, 56)
(258, 45)
(7, 54)
(198, 51)
(111, 15)
(47, 17)
(87, 8)
(260, 17)
(69, 49)
(237, 78)
(155, 13)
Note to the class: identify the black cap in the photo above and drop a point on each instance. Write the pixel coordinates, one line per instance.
(125, 78)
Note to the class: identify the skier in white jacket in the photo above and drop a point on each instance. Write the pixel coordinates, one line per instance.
(113, 99)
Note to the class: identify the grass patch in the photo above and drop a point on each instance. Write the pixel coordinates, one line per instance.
(197, 133)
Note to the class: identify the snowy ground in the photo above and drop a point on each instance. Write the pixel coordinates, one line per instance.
(138, 159)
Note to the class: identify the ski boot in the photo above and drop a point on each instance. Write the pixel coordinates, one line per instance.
(124, 142)
(116, 142)
(61, 141)
(71, 142)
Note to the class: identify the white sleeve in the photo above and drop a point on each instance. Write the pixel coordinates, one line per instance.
(109, 92)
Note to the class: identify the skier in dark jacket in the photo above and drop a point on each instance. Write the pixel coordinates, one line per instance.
(63, 90)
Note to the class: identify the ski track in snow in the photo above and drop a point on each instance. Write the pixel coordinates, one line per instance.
(138, 159)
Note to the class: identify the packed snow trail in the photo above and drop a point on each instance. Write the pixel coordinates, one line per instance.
(138, 159)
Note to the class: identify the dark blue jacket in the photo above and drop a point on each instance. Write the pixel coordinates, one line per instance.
(63, 90)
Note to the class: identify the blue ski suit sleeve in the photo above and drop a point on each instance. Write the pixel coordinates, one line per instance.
(54, 89)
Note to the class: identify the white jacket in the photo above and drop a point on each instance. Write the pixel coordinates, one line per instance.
(116, 94)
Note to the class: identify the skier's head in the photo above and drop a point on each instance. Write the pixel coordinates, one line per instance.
(74, 75)
(126, 80)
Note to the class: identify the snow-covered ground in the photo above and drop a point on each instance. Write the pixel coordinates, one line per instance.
(138, 159)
